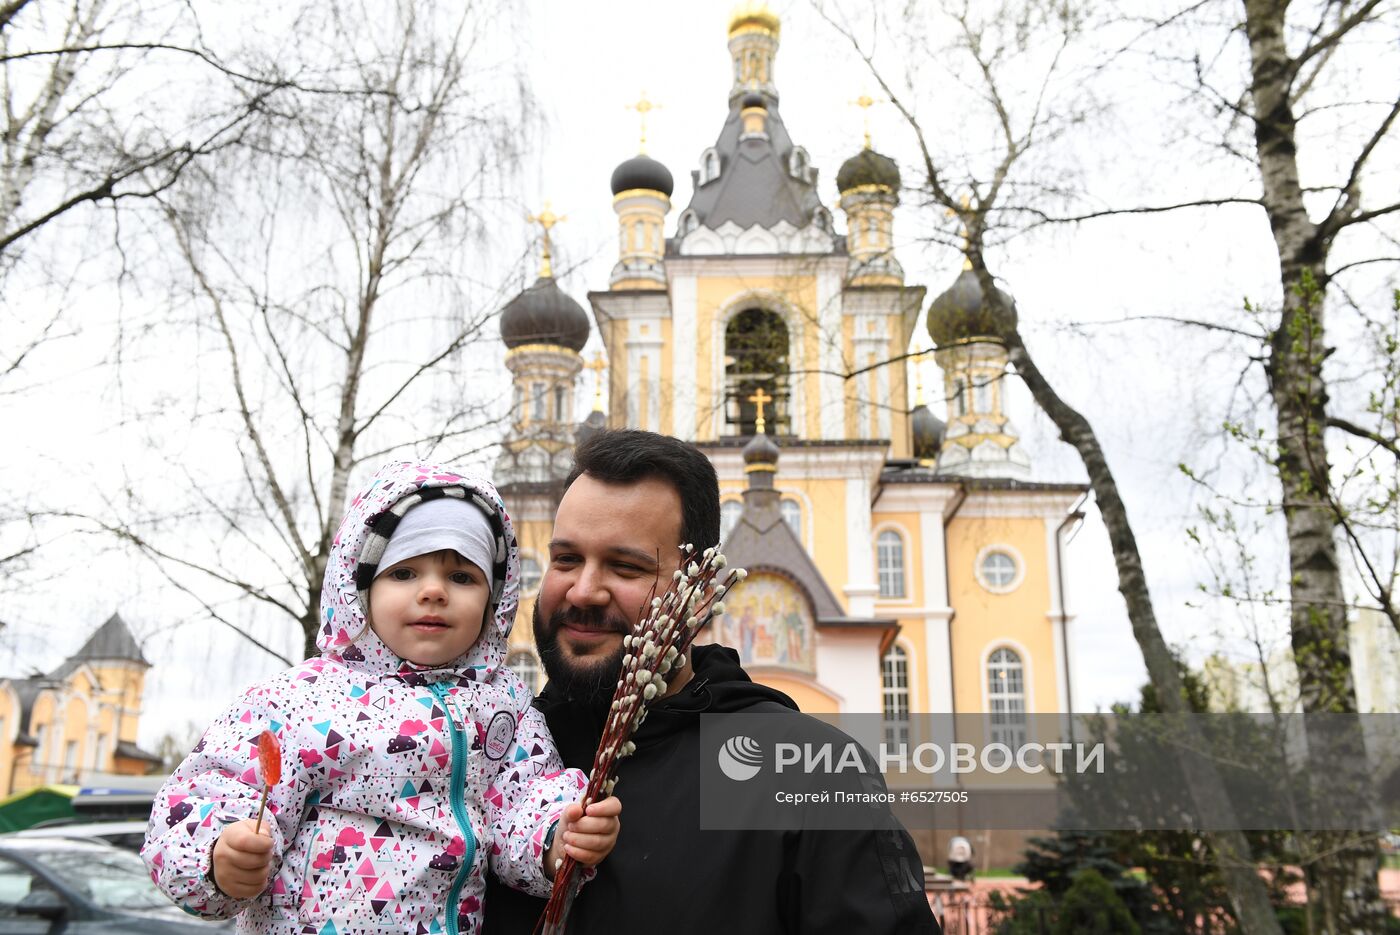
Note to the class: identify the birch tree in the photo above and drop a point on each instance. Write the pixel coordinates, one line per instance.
(84, 142)
(1275, 76)
(999, 47)
(330, 273)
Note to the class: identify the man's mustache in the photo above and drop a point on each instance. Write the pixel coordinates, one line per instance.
(588, 618)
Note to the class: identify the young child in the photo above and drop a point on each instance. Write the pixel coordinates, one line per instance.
(410, 755)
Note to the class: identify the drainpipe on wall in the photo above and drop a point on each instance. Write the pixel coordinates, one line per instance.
(948, 597)
(1075, 516)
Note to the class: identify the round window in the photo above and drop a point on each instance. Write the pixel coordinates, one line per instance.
(998, 571)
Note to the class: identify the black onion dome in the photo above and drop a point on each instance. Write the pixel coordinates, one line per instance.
(867, 167)
(928, 432)
(753, 99)
(595, 423)
(642, 171)
(761, 450)
(960, 312)
(543, 314)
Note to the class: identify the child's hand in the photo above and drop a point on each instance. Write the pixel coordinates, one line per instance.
(242, 858)
(586, 838)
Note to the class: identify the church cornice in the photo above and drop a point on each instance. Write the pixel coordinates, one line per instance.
(525, 350)
(780, 239)
(642, 193)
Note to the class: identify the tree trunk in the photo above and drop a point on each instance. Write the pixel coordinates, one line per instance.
(1345, 877)
(1248, 895)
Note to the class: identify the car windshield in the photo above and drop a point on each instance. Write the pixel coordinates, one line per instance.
(110, 878)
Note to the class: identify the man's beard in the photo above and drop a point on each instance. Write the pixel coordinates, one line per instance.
(590, 681)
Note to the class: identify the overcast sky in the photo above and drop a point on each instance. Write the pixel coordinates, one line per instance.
(1155, 392)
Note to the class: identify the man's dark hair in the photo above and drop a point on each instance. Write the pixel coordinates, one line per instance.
(625, 456)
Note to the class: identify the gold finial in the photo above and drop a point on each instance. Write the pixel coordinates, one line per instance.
(597, 365)
(546, 219)
(758, 399)
(865, 102)
(752, 16)
(966, 201)
(643, 107)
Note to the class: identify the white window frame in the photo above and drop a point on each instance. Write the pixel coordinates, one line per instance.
(982, 394)
(530, 667)
(530, 590)
(984, 553)
(36, 764)
(710, 166)
(729, 513)
(1011, 725)
(561, 403)
(895, 697)
(539, 402)
(791, 512)
(881, 571)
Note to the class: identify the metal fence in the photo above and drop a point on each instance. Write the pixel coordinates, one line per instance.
(965, 912)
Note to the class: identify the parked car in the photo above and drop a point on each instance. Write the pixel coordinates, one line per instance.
(62, 886)
(128, 835)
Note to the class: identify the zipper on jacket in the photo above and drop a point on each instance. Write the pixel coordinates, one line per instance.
(459, 806)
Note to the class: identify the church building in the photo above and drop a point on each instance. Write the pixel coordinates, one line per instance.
(76, 725)
(900, 561)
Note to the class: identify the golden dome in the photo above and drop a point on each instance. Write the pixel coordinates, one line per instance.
(754, 17)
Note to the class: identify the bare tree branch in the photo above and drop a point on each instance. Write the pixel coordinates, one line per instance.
(1044, 218)
(1347, 24)
(1351, 428)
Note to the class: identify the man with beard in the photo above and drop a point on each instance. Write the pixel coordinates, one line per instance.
(631, 498)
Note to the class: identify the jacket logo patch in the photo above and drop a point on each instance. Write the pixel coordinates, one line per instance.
(499, 735)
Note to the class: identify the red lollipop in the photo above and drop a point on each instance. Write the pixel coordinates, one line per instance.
(270, 760)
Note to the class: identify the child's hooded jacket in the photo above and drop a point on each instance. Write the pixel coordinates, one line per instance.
(398, 782)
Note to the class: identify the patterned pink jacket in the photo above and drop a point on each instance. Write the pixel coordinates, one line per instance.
(399, 783)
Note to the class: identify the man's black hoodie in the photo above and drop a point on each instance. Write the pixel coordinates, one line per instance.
(668, 876)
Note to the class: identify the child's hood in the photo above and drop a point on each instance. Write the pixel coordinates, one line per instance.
(370, 517)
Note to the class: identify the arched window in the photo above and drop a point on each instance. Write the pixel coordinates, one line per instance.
(524, 664)
(560, 397)
(538, 401)
(797, 163)
(894, 680)
(729, 513)
(709, 166)
(889, 561)
(529, 575)
(982, 394)
(791, 512)
(1006, 698)
(689, 221)
(960, 400)
(756, 357)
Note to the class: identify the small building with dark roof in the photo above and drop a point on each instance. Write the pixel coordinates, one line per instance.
(79, 722)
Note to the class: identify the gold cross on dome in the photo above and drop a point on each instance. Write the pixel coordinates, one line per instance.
(758, 399)
(643, 106)
(546, 219)
(597, 365)
(865, 102)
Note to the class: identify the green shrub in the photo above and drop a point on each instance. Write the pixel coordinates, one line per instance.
(1091, 907)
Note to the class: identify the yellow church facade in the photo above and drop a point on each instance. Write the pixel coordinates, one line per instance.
(901, 562)
(79, 722)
